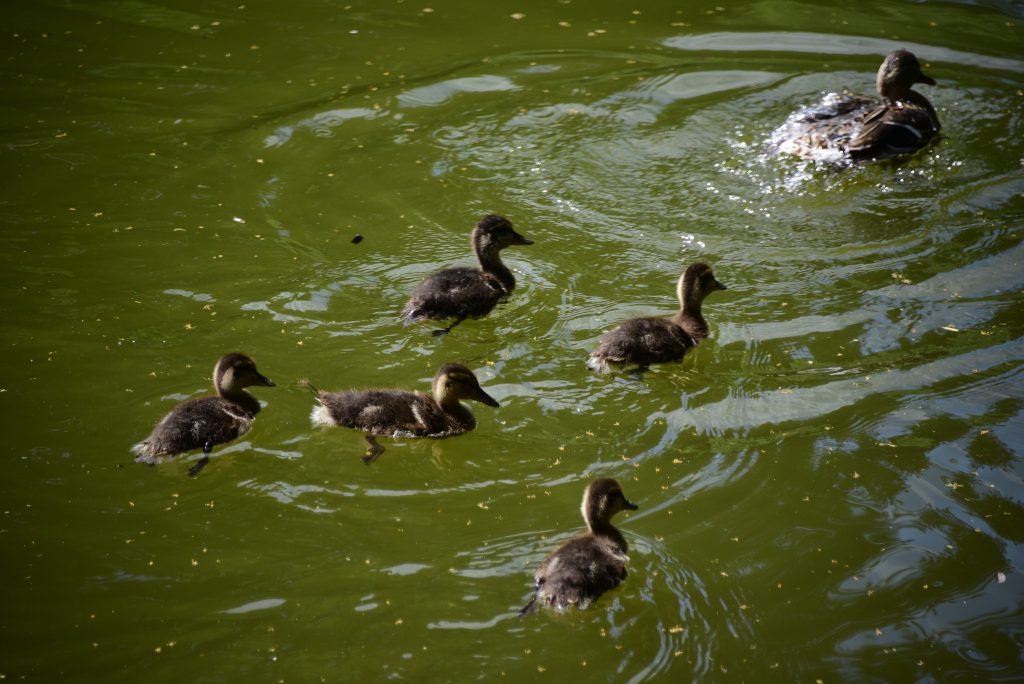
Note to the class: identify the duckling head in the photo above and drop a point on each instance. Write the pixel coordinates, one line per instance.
(494, 233)
(900, 70)
(696, 283)
(454, 382)
(602, 499)
(234, 372)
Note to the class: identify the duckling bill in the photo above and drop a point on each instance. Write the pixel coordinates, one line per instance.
(850, 127)
(204, 422)
(585, 567)
(461, 293)
(651, 339)
(400, 413)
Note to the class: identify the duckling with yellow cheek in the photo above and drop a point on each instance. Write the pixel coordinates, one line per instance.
(399, 413)
(861, 128)
(585, 567)
(461, 293)
(205, 422)
(651, 339)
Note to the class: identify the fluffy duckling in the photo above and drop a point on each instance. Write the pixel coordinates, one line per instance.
(204, 422)
(860, 128)
(651, 339)
(585, 567)
(398, 413)
(461, 293)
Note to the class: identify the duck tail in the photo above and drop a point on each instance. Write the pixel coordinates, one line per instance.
(529, 608)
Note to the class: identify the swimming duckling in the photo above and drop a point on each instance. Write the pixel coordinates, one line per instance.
(398, 413)
(462, 292)
(651, 339)
(861, 128)
(204, 422)
(585, 567)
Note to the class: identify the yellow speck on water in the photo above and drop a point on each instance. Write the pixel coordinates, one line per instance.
(676, 630)
(517, 15)
(951, 328)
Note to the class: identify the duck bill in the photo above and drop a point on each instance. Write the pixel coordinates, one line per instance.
(485, 398)
(518, 239)
(629, 505)
(719, 285)
(922, 78)
(264, 381)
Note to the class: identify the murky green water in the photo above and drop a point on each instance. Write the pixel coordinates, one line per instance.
(830, 487)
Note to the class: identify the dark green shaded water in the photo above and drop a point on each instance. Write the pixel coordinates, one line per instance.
(830, 487)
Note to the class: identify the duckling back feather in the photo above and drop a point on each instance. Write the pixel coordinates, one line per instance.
(581, 570)
(641, 341)
(392, 413)
(459, 292)
(194, 424)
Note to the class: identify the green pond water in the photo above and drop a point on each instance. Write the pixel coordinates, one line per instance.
(831, 487)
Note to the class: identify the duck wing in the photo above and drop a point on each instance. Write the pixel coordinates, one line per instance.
(890, 130)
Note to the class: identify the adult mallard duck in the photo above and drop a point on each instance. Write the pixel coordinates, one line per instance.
(651, 339)
(461, 293)
(399, 413)
(585, 567)
(204, 422)
(850, 127)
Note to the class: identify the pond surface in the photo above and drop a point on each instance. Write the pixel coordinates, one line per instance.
(831, 487)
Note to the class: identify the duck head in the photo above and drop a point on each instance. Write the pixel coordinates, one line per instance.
(454, 382)
(234, 372)
(899, 72)
(494, 233)
(696, 283)
(602, 499)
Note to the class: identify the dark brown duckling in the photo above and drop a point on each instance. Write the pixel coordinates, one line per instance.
(651, 339)
(585, 567)
(399, 413)
(204, 422)
(860, 128)
(461, 293)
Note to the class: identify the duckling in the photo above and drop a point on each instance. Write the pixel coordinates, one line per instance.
(204, 422)
(585, 567)
(398, 413)
(860, 128)
(461, 293)
(647, 340)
